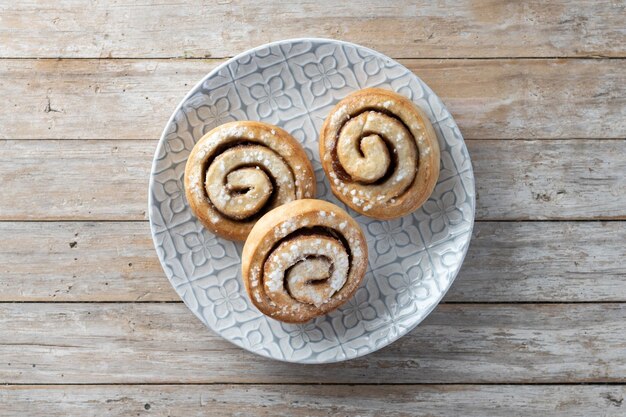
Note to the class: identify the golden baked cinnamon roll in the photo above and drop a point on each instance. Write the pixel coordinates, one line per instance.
(303, 259)
(380, 153)
(239, 171)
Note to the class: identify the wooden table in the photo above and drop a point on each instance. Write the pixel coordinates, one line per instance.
(534, 324)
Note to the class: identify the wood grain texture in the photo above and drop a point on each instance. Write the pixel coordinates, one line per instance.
(316, 400)
(457, 343)
(490, 99)
(563, 261)
(468, 28)
(515, 180)
(531, 99)
(506, 262)
(55, 180)
(81, 261)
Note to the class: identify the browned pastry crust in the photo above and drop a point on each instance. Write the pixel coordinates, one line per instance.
(380, 153)
(239, 171)
(303, 259)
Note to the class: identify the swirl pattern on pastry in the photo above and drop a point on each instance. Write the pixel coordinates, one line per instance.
(303, 259)
(239, 171)
(380, 153)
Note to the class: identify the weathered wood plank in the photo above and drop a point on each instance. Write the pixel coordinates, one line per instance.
(490, 99)
(533, 99)
(468, 28)
(313, 400)
(511, 262)
(458, 343)
(52, 180)
(515, 180)
(549, 179)
(506, 262)
(80, 262)
(93, 99)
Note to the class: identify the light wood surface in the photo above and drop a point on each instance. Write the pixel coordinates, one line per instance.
(134, 343)
(506, 262)
(535, 322)
(515, 180)
(467, 28)
(316, 400)
(489, 98)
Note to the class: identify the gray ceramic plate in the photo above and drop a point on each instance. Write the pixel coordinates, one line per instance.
(413, 260)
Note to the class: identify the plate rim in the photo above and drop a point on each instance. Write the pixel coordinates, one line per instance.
(152, 180)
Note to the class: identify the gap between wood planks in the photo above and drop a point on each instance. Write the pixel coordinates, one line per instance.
(305, 384)
(473, 303)
(494, 220)
(421, 58)
(155, 140)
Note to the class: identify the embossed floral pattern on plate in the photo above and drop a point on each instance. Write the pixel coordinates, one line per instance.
(413, 260)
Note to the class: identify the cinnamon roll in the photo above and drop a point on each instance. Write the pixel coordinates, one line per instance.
(380, 153)
(239, 171)
(303, 259)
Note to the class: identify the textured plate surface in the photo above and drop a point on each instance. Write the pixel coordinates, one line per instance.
(413, 260)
